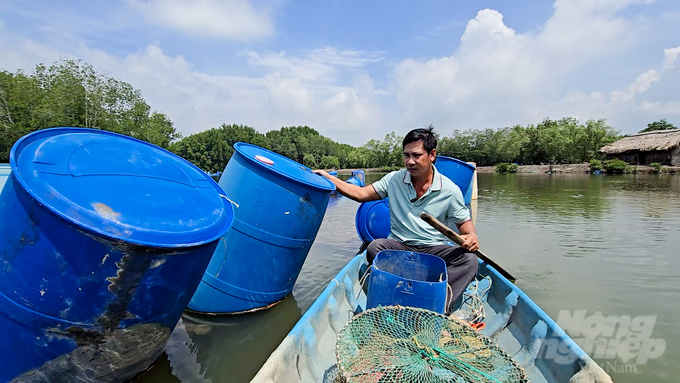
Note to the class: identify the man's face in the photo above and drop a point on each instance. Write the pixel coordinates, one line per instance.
(417, 160)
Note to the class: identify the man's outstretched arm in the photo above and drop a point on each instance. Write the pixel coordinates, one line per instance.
(357, 193)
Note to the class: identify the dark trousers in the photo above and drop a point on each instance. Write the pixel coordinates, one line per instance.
(461, 265)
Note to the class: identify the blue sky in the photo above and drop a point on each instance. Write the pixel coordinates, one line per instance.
(357, 70)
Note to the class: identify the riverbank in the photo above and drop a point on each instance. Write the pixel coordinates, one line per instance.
(558, 169)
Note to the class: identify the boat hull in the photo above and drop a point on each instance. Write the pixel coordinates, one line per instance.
(519, 326)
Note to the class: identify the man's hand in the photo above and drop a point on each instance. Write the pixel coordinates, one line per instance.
(322, 173)
(469, 234)
(470, 242)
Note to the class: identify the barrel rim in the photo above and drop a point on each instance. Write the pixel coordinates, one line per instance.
(329, 186)
(16, 174)
(461, 162)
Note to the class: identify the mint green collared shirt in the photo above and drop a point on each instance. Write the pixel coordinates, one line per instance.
(443, 200)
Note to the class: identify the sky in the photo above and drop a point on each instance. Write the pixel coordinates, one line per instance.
(358, 70)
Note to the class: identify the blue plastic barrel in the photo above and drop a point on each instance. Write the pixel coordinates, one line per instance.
(357, 178)
(103, 241)
(407, 278)
(372, 220)
(460, 172)
(280, 208)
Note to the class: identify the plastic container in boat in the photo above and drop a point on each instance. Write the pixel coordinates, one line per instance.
(280, 208)
(407, 278)
(460, 172)
(103, 241)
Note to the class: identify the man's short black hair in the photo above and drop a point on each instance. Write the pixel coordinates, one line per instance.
(422, 134)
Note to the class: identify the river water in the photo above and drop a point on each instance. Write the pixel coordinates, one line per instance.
(587, 249)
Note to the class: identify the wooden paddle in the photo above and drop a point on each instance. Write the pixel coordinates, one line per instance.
(452, 235)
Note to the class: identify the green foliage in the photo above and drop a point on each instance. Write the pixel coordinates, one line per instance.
(595, 165)
(211, 150)
(330, 162)
(561, 141)
(505, 167)
(657, 166)
(387, 152)
(662, 124)
(387, 169)
(309, 161)
(72, 93)
(615, 166)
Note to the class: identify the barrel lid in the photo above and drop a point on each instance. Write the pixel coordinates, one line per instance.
(373, 220)
(282, 165)
(121, 187)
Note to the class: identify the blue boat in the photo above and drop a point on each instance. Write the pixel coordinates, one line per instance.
(519, 326)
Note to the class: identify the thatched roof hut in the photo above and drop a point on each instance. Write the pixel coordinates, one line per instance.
(661, 146)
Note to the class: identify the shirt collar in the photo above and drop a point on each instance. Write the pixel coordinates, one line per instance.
(436, 179)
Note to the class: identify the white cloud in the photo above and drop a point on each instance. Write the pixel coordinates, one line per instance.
(320, 64)
(196, 101)
(499, 77)
(670, 55)
(641, 85)
(229, 19)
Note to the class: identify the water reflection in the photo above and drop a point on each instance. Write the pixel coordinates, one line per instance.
(224, 348)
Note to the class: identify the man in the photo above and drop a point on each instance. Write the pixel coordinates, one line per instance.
(416, 189)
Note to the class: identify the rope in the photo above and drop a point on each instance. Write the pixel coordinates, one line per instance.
(363, 280)
(227, 198)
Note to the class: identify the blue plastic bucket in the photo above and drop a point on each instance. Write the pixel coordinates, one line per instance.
(103, 240)
(372, 220)
(407, 278)
(460, 172)
(280, 208)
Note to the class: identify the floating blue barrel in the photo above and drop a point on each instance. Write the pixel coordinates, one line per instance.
(373, 220)
(357, 178)
(407, 278)
(280, 208)
(460, 172)
(103, 241)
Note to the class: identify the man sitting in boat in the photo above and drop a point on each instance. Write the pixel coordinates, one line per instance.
(421, 188)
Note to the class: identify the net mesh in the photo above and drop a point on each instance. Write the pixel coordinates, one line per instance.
(404, 344)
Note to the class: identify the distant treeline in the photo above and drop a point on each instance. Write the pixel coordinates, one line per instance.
(71, 93)
(561, 141)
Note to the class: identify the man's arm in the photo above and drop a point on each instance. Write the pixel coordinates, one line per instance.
(469, 234)
(357, 193)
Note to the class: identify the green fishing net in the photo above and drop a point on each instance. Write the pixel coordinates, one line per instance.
(404, 344)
